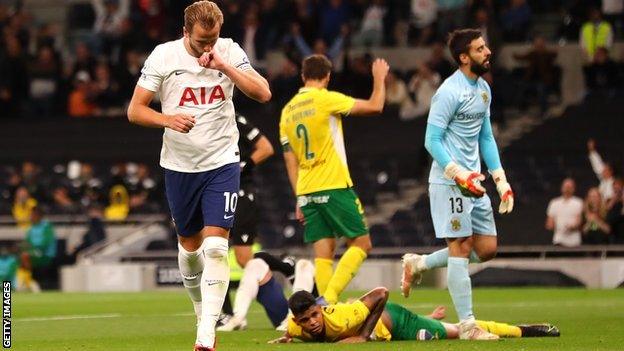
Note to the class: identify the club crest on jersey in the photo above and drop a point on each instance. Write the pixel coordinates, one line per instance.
(455, 224)
(485, 97)
(201, 96)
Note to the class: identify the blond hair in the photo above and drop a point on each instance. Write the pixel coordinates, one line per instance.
(206, 13)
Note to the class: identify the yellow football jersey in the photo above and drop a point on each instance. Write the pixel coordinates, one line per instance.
(342, 320)
(311, 123)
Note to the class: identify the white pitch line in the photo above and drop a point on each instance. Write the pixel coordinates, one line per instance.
(68, 317)
(109, 315)
(183, 314)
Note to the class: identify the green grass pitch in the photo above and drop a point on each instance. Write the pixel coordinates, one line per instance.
(154, 321)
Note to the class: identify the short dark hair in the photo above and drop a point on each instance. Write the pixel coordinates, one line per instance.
(300, 302)
(459, 42)
(315, 67)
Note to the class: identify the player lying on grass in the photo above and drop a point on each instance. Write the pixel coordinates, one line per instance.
(258, 283)
(373, 318)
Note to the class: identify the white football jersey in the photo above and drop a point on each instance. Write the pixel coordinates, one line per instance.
(188, 88)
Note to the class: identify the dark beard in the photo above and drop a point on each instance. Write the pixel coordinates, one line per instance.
(478, 69)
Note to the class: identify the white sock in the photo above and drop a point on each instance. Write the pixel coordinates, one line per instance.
(304, 276)
(255, 271)
(191, 265)
(214, 284)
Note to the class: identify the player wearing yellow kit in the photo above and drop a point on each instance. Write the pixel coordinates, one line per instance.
(314, 152)
(372, 318)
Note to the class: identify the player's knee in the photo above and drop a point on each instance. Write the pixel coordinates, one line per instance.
(243, 256)
(324, 249)
(304, 265)
(215, 247)
(216, 253)
(460, 247)
(242, 260)
(364, 243)
(486, 250)
(487, 254)
(367, 246)
(466, 246)
(191, 244)
(257, 270)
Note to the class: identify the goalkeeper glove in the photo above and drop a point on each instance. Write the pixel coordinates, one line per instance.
(467, 181)
(504, 190)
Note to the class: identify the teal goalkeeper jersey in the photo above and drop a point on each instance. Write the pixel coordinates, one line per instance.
(460, 106)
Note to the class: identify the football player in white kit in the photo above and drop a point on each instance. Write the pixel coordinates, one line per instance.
(195, 78)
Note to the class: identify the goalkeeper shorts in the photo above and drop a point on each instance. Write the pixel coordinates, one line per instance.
(457, 216)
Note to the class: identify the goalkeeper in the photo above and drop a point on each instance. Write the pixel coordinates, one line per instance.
(458, 130)
(370, 318)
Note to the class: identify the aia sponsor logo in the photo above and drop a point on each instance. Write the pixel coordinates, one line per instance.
(201, 96)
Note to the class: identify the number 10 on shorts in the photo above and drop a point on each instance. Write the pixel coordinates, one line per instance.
(231, 199)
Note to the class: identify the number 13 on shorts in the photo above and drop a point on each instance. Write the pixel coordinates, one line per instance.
(455, 215)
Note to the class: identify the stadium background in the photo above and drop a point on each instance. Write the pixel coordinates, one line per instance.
(68, 68)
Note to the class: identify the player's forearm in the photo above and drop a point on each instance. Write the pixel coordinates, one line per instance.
(146, 116)
(263, 150)
(488, 147)
(380, 297)
(373, 317)
(378, 96)
(433, 144)
(259, 156)
(252, 85)
(292, 168)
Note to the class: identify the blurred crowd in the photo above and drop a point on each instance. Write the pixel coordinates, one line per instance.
(89, 66)
(598, 219)
(30, 193)
(77, 188)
